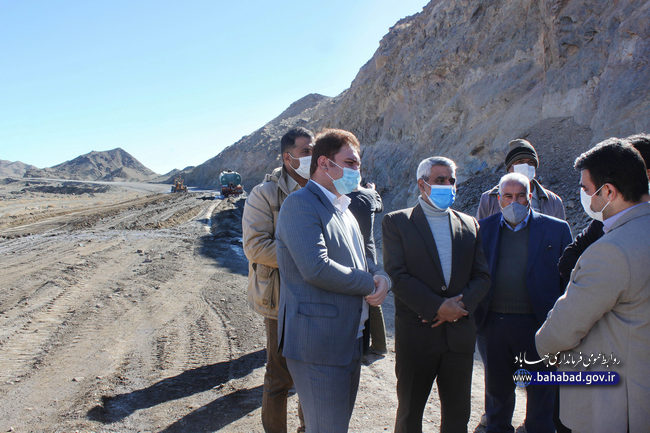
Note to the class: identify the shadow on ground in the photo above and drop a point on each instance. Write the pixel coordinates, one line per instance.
(190, 382)
(220, 413)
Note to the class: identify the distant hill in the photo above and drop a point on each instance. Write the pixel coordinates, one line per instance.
(171, 175)
(14, 169)
(110, 165)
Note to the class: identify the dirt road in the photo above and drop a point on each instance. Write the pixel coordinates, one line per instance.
(124, 311)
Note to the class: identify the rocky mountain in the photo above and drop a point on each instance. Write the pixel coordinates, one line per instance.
(462, 78)
(14, 168)
(171, 175)
(256, 154)
(110, 165)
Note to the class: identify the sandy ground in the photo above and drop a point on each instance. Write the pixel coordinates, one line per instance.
(123, 309)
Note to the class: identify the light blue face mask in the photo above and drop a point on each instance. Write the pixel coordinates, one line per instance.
(348, 182)
(442, 196)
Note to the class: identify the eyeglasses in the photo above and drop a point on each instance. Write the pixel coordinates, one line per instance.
(441, 180)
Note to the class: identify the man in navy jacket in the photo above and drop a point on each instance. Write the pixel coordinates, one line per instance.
(522, 248)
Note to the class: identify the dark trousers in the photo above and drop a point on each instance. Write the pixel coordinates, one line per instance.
(416, 369)
(559, 427)
(507, 336)
(277, 383)
(481, 344)
(327, 392)
(376, 329)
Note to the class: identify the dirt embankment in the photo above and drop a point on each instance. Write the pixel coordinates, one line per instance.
(126, 311)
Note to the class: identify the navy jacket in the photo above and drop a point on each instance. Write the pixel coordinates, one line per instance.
(572, 253)
(548, 237)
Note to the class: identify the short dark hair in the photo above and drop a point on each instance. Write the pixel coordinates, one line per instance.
(329, 142)
(288, 140)
(641, 142)
(615, 161)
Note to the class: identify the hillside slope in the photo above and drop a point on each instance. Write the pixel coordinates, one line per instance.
(110, 165)
(462, 78)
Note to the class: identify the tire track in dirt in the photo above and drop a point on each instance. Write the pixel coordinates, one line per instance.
(137, 327)
(61, 320)
(132, 312)
(34, 327)
(179, 364)
(188, 345)
(78, 217)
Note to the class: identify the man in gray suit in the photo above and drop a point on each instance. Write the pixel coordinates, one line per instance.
(606, 306)
(326, 285)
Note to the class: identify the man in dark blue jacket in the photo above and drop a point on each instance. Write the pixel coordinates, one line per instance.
(522, 248)
(366, 202)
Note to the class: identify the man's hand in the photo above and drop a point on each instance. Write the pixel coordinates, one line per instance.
(381, 290)
(450, 310)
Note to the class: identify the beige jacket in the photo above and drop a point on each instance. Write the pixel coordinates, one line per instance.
(258, 226)
(606, 310)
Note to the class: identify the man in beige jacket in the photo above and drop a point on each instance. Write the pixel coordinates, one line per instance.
(259, 224)
(522, 158)
(605, 309)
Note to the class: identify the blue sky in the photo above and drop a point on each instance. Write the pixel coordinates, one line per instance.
(171, 82)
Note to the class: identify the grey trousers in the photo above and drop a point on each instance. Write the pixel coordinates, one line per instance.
(327, 393)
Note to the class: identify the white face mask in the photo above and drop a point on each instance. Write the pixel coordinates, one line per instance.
(303, 168)
(585, 199)
(525, 169)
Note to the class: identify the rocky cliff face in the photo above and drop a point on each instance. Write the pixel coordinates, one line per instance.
(462, 78)
(111, 165)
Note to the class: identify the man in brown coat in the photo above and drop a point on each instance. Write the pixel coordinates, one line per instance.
(522, 158)
(258, 226)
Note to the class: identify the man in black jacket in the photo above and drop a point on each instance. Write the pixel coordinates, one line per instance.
(594, 230)
(366, 202)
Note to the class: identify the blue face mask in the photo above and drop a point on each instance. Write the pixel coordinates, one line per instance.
(442, 196)
(348, 182)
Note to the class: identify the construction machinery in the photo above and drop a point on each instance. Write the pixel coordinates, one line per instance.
(178, 185)
(230, 183)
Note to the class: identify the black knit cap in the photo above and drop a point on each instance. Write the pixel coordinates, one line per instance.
(520, 149)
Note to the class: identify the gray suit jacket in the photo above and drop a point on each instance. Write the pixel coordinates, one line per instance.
(606, 309)
(322, 286)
